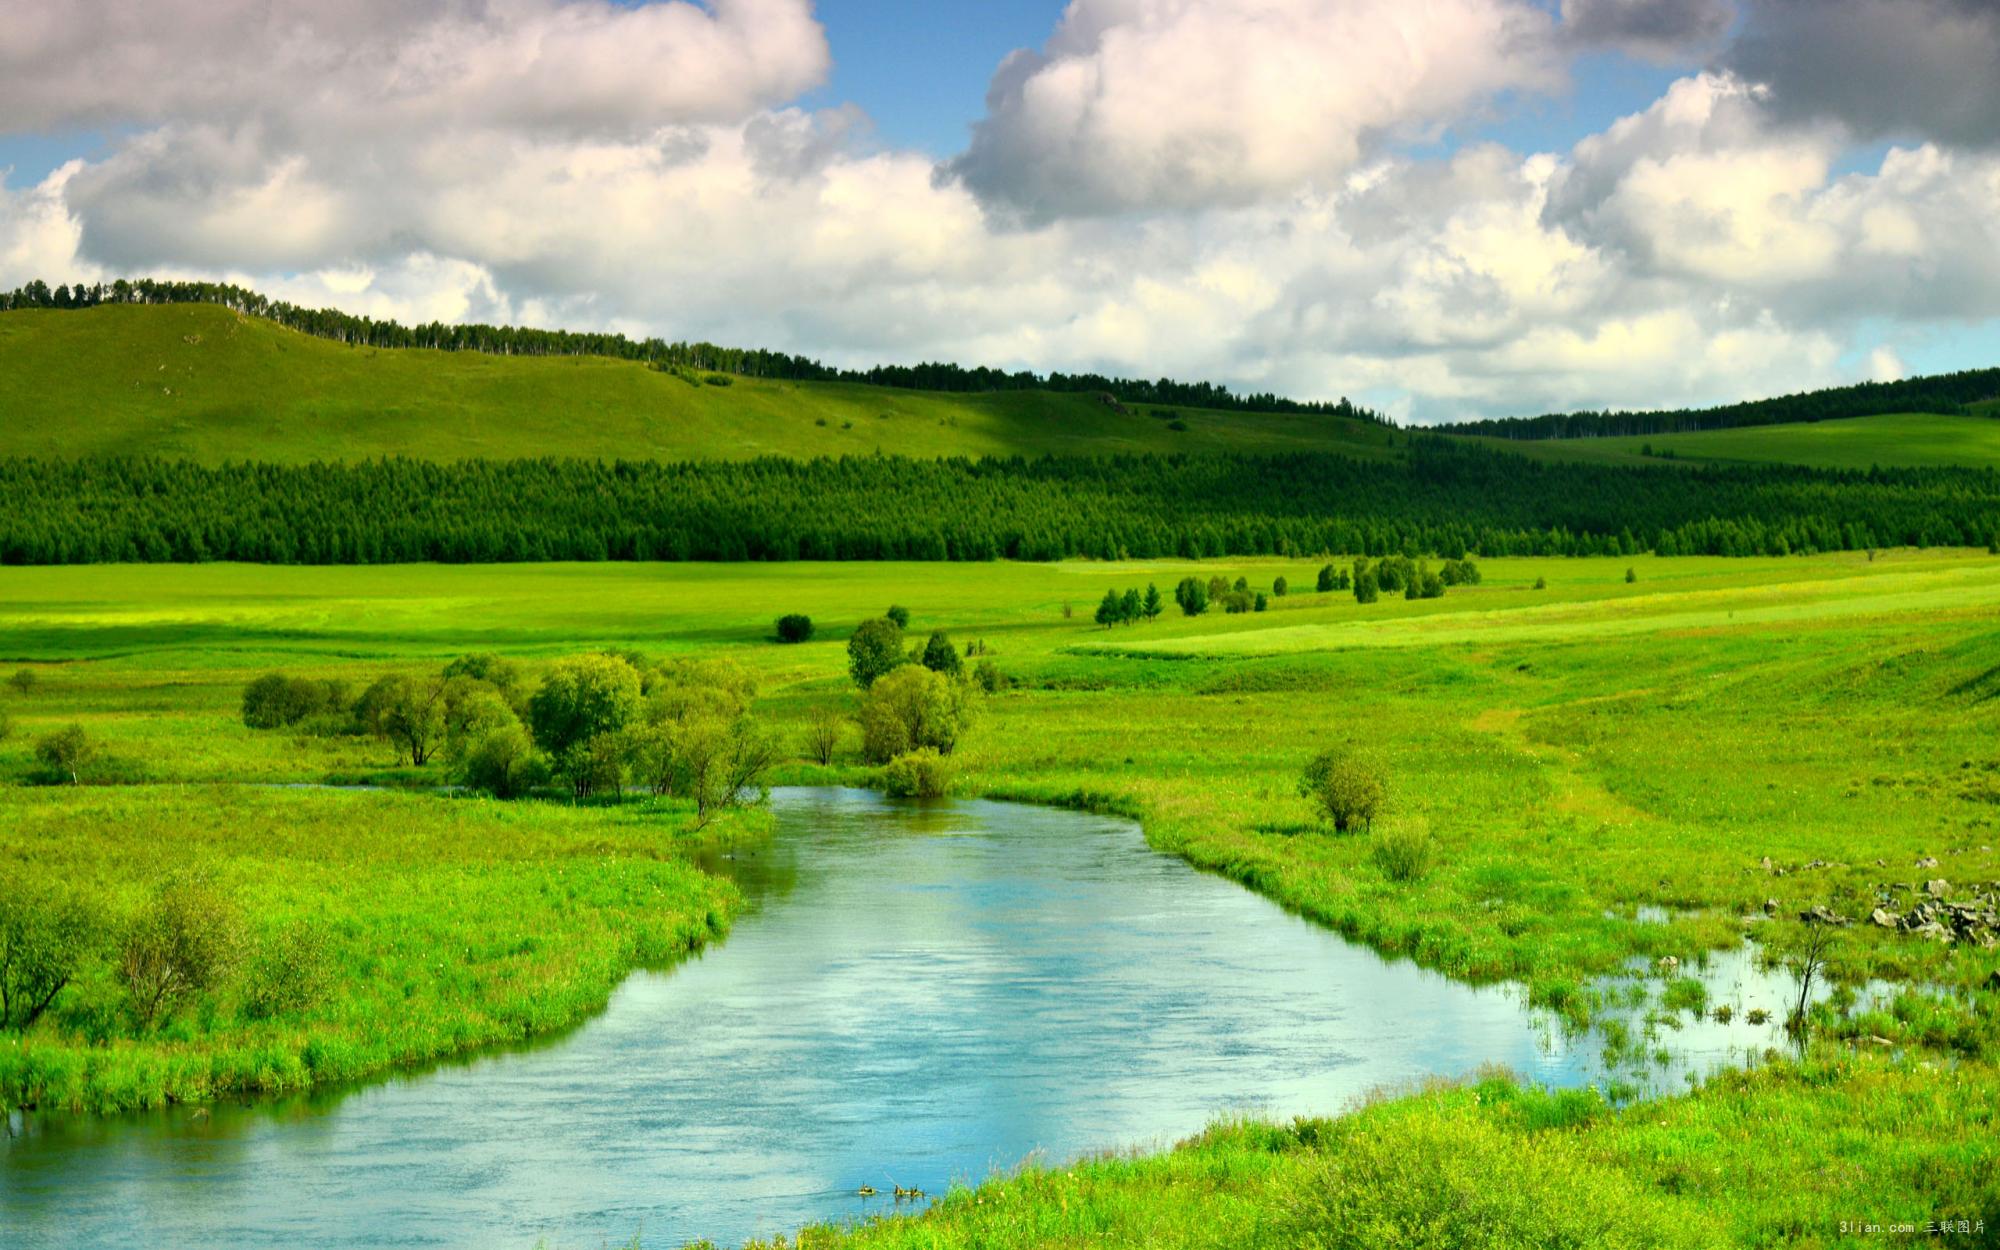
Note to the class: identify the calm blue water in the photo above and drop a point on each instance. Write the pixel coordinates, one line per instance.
(919, 993)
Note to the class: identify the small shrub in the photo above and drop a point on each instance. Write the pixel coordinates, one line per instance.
(1346, 787)
(794, 628)
(989, 677)
(67, 753)
(1631, 575)
(940, 656)
(913, 708)
(899, 614)
(1541, 583)
(919, 774)
(503, 762)
(1260, 604)
(1177, 424)
(1326, 579)
(187, 941)
(824, 728)
(875, 650)
(718, 379)
(1403, 855)
(1279, 588)
(1192, 596)
(6, 725)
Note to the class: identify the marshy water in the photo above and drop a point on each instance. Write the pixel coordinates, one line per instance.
(916, 994)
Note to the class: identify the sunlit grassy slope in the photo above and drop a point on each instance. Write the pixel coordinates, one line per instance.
(199, 382)
(1891, 441)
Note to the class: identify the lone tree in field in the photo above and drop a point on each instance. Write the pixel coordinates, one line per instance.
(875, 649)
(940, 656)
(794, 628)
(1345, 786)
(67, 752)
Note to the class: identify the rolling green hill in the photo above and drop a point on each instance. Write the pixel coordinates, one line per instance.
(1895, 440)
(199, 382)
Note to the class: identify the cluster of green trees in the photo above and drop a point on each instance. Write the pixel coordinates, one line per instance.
(1195, 595)
(679, 357)
(1947, 393)
(681, 728)
(1445, 499)
(917, 702)
(188, 939)
(1124, 609)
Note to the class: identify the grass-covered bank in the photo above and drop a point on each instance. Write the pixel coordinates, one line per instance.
(1797, 1154)
(368, 931)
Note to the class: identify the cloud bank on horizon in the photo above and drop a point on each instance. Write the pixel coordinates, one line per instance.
(1274, 193)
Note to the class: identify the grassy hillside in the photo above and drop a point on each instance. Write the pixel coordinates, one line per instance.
(1898, 440)
(200, 382)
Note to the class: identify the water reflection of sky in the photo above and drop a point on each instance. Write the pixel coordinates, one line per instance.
(920, 994)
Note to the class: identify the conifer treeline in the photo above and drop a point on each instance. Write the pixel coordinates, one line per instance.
(1944, 393)
(1446, 499)
(331, 323)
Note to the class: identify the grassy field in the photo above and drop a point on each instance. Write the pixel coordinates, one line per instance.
(201, 383)
(1897, 440)
(1576, 756)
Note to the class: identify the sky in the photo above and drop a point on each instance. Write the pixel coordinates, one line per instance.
(1443, 208)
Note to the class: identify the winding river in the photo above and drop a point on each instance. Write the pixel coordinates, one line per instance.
(916, 993)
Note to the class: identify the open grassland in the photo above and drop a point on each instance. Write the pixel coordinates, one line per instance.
(198, 382)
(1576, 757)
(438, 927)
(1895, 440)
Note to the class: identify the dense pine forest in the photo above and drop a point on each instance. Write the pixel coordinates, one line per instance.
(331, 323)
(1947, 394)
(1446, 498)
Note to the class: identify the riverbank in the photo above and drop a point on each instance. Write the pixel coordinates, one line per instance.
(440, 926)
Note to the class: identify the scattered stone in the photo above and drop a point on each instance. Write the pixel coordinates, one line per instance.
(1770, 906)
(1887, 919)
(1822, 914)
(1928, 861)
(1668, 964)
(1876, 1039)
(1937, 888)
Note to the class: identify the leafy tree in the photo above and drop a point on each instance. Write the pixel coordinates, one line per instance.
(186, 941)
(911, 708)
(1192, 596)
(1242, 584)
(1260, 603)
(1130, 607)
(1280, 587)
(875, 648)
(1325, 583)
(1345, 786)
(502, 761)
(1110, 610)
(496, 671)
(794, 628)
(595, 767)
(1151, 606)
(46, 934)
(940, 656)
(472, 710)
(67, 752)
(579, 701)
(1365, 589)
(899, 614)
(408, 712)
(276, 700)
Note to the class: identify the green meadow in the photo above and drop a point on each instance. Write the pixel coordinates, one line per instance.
(198, 382)
(1579, 747)
(1893, 440)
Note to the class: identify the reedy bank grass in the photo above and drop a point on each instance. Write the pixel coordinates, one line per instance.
(451, 924)
(1578, 752)
(1780, 1157)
